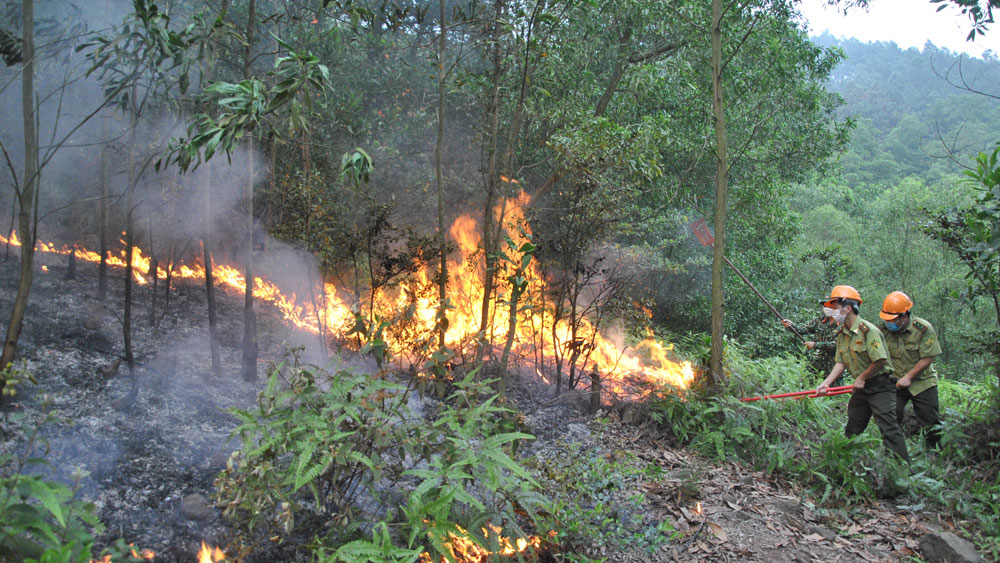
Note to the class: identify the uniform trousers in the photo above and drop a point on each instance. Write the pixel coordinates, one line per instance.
(925, 408)
(881, 405)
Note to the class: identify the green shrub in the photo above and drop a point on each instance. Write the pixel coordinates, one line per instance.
(43, 520)
(344, 448)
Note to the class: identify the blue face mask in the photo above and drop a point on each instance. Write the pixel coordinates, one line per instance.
(893, 327)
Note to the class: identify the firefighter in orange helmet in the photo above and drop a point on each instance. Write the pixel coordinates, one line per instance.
(861, 351)
(912, 345)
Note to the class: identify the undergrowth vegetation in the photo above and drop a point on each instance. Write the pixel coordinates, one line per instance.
(595, 504)
(374, 472)
(803, 440)
(42, 519)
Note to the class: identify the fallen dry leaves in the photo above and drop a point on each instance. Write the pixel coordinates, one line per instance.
(749, 516)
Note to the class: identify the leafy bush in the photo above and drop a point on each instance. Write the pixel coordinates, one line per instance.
(961, 478)
(43, 520)
(342, 449)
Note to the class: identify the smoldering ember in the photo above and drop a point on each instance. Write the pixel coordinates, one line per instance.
(465, 281)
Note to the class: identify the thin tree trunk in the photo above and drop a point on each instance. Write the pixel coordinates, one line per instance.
(996, 352)
(515, 295)
(320, 317)
(721, 192)
(249, 370)
(206, 248)
(10, 229)
(71, 265)
(154, 267)
(250, 350)
(102, 276)
(574, 342)
(171, 259)
(206, 241)
(439, 175)
(490, 241)
(154, 264)
(27, 195)
(128, 400)
(556, 352)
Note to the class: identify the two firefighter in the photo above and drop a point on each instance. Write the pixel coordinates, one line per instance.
(891, 365)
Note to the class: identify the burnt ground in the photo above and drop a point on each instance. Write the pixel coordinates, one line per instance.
(146, 466)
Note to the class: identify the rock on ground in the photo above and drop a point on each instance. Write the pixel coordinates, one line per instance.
(946, 547)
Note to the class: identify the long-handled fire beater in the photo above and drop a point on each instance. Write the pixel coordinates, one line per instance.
(706, 238)
(807, 394)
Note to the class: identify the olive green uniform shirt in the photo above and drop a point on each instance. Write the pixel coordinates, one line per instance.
(906, 347)
(859, 345)
(824, 330)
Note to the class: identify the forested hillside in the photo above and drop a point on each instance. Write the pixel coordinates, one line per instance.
(912, 109)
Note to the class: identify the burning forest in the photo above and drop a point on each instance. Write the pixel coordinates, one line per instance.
(402, 281)
(176, 466)
(540, 341)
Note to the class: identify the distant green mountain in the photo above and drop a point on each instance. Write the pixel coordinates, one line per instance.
(912, 107)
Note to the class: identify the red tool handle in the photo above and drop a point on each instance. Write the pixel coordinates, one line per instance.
(803, 394)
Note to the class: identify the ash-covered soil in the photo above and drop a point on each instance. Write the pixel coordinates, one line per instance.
(145, 463)
(150, 468)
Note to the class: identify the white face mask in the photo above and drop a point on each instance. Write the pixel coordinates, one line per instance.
(839, 315)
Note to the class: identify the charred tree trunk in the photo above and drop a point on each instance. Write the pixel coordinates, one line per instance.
(154, 268)
(576, 343)
(439, 175)
(721, 192)
(492, 177)
(102, 275)
(206, 253)
(71, 264)
(27, 195)
(206, 248)
(154, 263)
(557, 353)
(515, 295)
(595, 392)
(10, 228)
(171, 258)
(249, 368)
(272, 165)
(206, 241)
(126, 402)
(320, 313)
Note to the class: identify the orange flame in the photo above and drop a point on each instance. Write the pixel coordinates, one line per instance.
(210, 555)
(648, 361)
(465, 550)
(147, 554)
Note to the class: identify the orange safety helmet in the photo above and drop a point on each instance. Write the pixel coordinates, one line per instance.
(895, 304)
(843, 292)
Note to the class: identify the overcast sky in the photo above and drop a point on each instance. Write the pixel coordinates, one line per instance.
(909, 23)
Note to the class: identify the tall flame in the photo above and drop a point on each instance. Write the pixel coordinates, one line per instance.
(592, 351)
